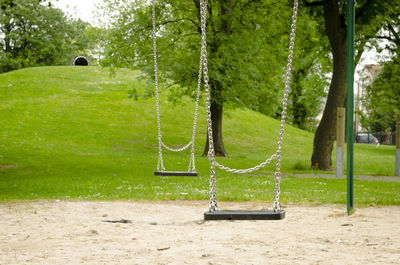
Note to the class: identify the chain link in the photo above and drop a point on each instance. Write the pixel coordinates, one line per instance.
(160, 164)
(211, 152)
(248, 170)
(177, 149)
(277, 205)
(192, 166)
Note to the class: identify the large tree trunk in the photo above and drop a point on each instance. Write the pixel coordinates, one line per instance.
(217, 99)
(326, 131)
(216, 118)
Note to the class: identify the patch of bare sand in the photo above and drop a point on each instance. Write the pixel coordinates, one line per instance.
(54, 232)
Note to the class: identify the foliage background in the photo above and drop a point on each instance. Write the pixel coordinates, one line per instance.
(33, 33)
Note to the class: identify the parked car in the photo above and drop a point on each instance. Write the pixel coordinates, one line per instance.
(366, 138)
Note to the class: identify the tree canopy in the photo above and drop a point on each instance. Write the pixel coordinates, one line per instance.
(247, 44)
(382, 99)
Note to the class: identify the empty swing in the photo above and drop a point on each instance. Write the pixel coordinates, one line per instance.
(213, 213)
(160, 165)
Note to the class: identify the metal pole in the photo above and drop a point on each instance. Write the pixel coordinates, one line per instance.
(350, 103)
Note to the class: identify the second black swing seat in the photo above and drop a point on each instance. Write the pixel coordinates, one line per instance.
(175, 173)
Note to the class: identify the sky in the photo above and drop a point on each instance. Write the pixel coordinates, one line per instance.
(82, 9)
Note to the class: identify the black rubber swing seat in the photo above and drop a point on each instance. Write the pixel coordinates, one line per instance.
(175, 173)
(245, 215)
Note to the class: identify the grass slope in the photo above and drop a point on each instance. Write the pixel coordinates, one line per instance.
(73, 132)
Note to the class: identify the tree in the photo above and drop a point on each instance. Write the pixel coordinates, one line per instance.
(33, 33)
(247, 50)
(368, 24)
(382, 100)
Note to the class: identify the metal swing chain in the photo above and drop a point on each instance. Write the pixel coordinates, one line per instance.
(277, 155)
(211, 152)
(287, 88)
(247, 170)
(160, 165)
(192, 166)
(277, 205)
(176, 149)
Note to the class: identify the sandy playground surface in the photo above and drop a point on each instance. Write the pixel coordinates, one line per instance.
(65, 232)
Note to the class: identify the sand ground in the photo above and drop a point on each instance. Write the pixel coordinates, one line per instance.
(74, 232)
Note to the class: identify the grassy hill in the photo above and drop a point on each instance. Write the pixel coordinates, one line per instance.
(75, 132)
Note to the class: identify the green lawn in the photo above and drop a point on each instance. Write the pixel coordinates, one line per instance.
(74, 132)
